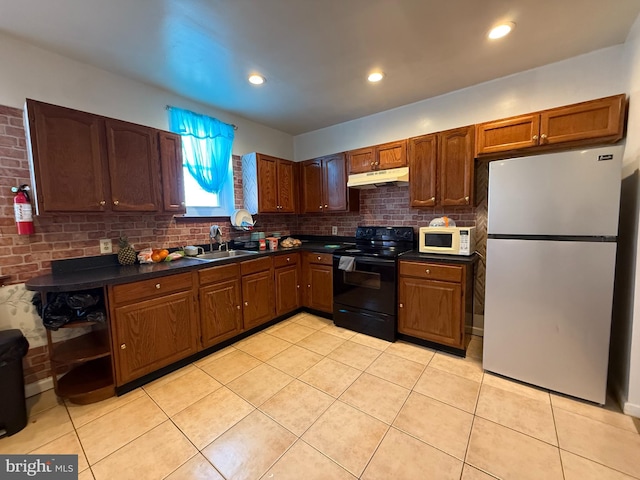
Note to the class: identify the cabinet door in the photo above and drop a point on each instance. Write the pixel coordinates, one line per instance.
(597, 119)
(154, 333)
(431, 310)
(287, 280)
(311, 186)
(391, 155)
(220, 312)
(319, 293)
(455, 166)
(172, 172)
(286, 187)
(335, 183)
(509, 134)
(361, 160)
(267, 184)
(67, 159)
(132, 151)
(258, 299)
(423, 152)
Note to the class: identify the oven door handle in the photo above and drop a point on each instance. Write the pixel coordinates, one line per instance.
(369, 260)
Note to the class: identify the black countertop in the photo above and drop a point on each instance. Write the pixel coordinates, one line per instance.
(77, 274)
(414, 255)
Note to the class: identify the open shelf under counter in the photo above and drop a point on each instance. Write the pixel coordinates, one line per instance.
(87, 383)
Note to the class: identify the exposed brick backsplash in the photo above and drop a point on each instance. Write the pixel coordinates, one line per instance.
(76, 235)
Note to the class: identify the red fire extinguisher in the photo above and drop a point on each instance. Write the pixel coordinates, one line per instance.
(22, 209)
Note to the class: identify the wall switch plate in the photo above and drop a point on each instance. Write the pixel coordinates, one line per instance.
(334, 230)
(105, 245)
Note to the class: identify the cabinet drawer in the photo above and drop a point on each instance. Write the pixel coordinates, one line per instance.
(320, 258)
(129, 292)
(432, 271)
(217, 274)
(253, 266)
(284, 260)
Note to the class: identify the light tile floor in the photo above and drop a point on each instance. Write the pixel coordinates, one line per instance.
(307, 400)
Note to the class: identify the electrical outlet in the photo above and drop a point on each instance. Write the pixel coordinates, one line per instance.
(105, 245)
(334, 230)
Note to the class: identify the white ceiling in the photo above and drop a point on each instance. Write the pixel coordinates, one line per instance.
(315, 53)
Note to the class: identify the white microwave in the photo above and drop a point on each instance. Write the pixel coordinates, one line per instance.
(447, 240)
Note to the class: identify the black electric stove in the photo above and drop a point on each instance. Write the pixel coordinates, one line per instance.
(365, 291)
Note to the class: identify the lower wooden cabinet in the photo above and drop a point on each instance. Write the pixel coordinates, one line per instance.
(318, 271)
(220, 296)
(287, 283)
(257, 292)
(153, 333)
(435, 301)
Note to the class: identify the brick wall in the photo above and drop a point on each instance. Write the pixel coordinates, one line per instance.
(76, 235)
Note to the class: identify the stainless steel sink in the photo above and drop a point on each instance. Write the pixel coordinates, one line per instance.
(223, 254)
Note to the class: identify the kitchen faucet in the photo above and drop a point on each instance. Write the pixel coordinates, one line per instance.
(215, 235)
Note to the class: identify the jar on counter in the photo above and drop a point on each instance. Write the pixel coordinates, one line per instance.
(263, 244)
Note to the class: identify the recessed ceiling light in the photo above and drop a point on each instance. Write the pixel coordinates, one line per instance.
(501, 30)
(375, 77)
(256, 79)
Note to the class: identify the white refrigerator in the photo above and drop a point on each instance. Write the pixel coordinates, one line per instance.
(551, 250)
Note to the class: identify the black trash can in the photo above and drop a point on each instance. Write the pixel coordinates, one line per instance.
(13, 407)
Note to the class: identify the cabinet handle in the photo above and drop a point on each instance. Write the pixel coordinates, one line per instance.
(535, 137)
(103, 203)
(246, 304)
(466, 199)
(326, 206)
(319, 258)
(371, 163)
(116, 202)
(377, 163)
(309, 285)
(320, 207)
(543, 137)
(433, 199)
(401, 305)
(298, 286)
(123, 346)
(158, 286)
(238, 307)
(288, 259)
(428, 271)
(182, 204)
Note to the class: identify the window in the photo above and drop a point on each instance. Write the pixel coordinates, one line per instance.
(208, 171)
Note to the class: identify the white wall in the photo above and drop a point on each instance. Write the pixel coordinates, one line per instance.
(632, 163)
(31, 72)
(594, 75)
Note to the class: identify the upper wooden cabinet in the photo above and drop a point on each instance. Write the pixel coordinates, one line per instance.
(269, 184)
(596, 121)
(378, 157)
(83, 162)
(69, 174)
(134, 168)
(324, 186)
(441, 168)
(172, 172)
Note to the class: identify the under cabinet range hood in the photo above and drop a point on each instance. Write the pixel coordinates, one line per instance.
(394, 176)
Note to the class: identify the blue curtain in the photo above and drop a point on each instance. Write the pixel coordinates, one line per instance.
(207, 146)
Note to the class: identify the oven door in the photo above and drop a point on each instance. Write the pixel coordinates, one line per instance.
(370, 286)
